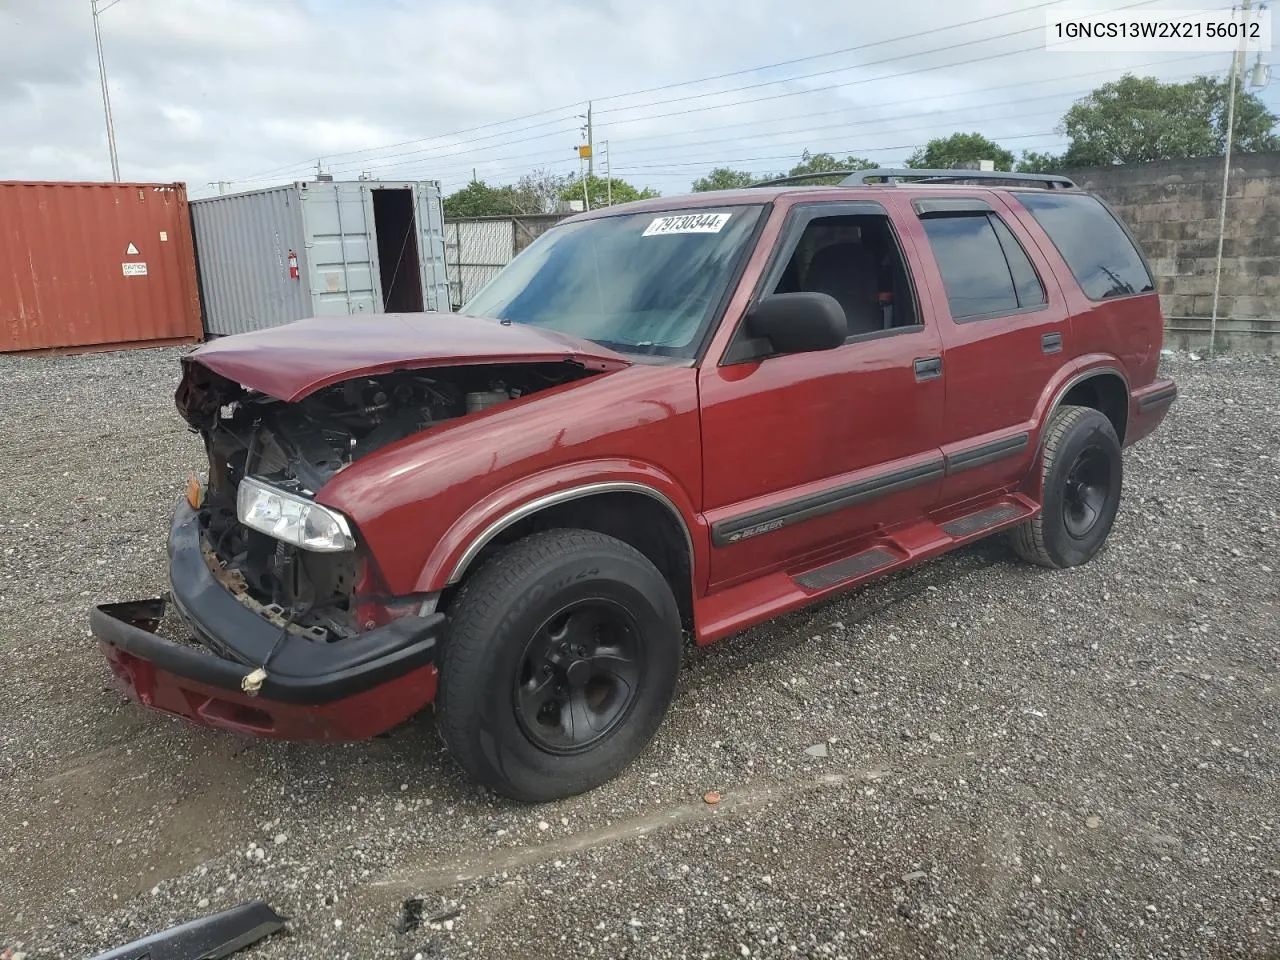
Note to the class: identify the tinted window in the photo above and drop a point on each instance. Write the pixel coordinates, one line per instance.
(1025, 282)
(973, 266)
(1100, 254)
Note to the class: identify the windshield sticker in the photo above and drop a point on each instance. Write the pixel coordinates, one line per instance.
(687, 223)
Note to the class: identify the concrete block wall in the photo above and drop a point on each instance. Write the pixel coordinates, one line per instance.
(1172, 208)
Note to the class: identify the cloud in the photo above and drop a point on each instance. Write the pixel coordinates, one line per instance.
(252, 91)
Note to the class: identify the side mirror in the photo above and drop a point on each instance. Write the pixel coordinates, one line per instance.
(799, 322)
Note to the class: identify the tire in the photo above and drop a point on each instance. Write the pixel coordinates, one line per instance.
(519, 630)
(1082, 477)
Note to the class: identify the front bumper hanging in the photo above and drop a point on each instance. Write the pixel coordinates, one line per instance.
(346, 690)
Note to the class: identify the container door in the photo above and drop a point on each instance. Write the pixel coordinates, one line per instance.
(342, 255)
(435, 284)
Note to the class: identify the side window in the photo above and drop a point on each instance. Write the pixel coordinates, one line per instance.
(856, 260)
(974, 270)
(1096, 248)
(1025, 282)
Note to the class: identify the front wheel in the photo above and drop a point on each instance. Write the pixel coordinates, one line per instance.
(561, 660)
(1082, 473)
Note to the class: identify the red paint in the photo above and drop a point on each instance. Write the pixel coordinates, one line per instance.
(816, 422)
(356, 717)
(294, 360)
(716, 441)
(64, 248)
(638, 423)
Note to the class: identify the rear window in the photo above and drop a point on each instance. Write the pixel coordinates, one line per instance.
(1097, 249)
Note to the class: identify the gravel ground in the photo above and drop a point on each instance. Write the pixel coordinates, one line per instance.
(974, 758)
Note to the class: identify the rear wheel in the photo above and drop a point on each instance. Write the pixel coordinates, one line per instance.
(1082, 472)
(561, 660)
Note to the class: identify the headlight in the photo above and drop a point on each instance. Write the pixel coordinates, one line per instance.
(291, 518)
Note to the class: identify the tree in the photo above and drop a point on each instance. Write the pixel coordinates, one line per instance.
(947, 153)
(478, 199)
(1033, 162)
(1135, 119)
(541, 189)
(600, 190)
(722, 178)
(822, 162)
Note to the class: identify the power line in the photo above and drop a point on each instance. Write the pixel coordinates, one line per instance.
(945, 96)
(428, 154)
(420, 156)
(807, 135)
(865, 147)
(1059, 79)
(831, 53)
(364, 161)
(668, 86)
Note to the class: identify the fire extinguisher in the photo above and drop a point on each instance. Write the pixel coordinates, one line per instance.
(293, 265)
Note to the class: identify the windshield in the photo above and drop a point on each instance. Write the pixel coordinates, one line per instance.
(642, 283)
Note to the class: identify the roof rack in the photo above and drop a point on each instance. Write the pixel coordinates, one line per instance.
(858, 178)
(803, 178)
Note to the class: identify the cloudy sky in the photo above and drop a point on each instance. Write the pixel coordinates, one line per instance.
(254, 91)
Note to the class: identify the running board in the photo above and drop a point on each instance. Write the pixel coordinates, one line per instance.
(850, 568)
(987, 518)
(913, 542)
(743, 604)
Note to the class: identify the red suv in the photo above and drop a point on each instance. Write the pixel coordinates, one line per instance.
(664, 421)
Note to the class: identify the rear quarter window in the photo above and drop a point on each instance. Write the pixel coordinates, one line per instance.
(1096, 248)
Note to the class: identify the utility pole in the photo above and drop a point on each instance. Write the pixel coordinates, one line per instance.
(590, 144)
(608, 174)
(1236, 70)
(106, 96)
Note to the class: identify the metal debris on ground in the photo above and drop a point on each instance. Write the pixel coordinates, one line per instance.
(410, 917)
(207, 938)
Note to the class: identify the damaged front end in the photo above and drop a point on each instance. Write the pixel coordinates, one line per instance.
(294, 634)
(327, 591)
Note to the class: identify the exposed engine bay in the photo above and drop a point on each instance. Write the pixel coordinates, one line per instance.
(298, 447)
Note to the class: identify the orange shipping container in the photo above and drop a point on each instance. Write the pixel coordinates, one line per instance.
(95, 264)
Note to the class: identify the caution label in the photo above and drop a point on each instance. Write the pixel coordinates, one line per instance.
(134, 269)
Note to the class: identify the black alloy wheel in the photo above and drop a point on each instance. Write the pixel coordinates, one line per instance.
(1081, 473)
(560, 661)
(579, 676)
(1088, 488)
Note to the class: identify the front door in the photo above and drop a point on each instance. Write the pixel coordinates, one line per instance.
(805, 453)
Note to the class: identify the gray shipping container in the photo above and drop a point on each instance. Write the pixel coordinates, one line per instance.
(361, 246)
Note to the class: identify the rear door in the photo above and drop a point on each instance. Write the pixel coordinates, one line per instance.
(1005, 331)
(804, 453)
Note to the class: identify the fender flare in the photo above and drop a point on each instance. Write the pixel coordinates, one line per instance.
(1086, 368)
(468, 535)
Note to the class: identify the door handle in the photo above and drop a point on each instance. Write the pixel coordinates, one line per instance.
(1051, 342)
(928, 368)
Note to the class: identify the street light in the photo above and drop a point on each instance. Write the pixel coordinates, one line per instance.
(102, 76)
